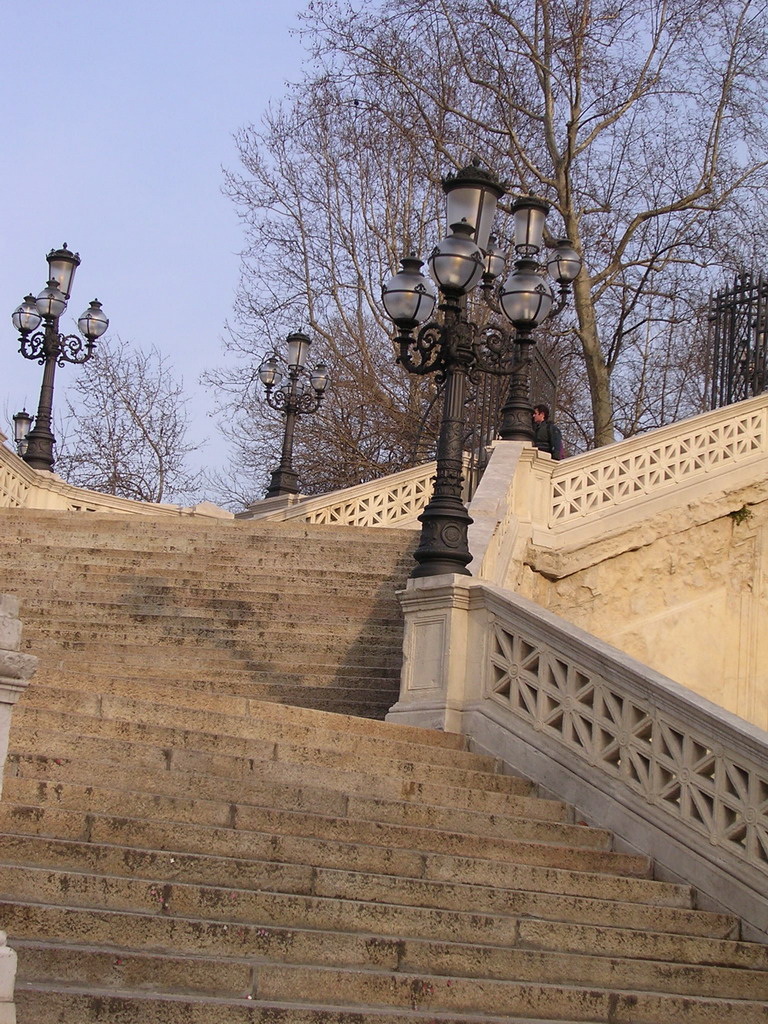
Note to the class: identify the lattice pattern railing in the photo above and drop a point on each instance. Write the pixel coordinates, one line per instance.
(710, 786)
(13, 489)
(590, 484)
(389, 501)
(387, 506)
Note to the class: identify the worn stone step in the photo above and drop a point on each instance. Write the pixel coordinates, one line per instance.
(273, 909)
(324, 693)
(215, 763)
(232, 974)
(188, 728)
(295, 785)
(191, 803)
(354, 886)
(235, 906)
(47, 1005)
(252, 836)
(605, 954)
(362, 648)
(80, 606)
(310, 719)
(359, 564)
(228, 675)
(335, 817)
(238, 758)
(300, 877)
(411, 991)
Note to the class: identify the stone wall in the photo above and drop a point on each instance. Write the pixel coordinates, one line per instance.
(689, 604)
(16, 669)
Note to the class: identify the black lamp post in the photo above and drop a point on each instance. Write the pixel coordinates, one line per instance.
(455, 348)
(50, 348)
(294, 391)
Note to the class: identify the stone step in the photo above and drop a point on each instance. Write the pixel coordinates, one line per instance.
(337, 817)
(261, 834)
(511, 928)
(325, 692)
(300, 590)
(604, 951)
(377, 641)
(207, 653)
(281, 800)
(60, 699)
(232, 759)
(46, 1005)
(183, 729)
(59, 667)
(361, 562)
(523, 999)
(231, 975)
(121, 606)
(295, 785)
(355, 886)
(299, 877)
(29, 524)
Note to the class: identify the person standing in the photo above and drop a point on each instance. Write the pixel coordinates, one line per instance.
(546, 434)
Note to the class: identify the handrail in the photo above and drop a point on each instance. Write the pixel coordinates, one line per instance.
(674, 775)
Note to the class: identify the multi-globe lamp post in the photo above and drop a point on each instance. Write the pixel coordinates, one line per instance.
(293, 390)
(455, 348)
(51, 349)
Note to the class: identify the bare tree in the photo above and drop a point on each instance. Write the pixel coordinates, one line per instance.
(125, 432)
(642, 121)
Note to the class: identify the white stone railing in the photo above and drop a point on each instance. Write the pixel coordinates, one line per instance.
(395, 500)
(558, 514)
(23, 487)
(673, 775)
(654, 464)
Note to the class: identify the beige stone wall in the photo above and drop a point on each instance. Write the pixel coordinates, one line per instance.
(692, 605)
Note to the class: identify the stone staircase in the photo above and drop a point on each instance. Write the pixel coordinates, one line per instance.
(176, 847)
(302, 615)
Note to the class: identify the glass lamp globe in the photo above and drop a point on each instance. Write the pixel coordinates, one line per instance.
(565, 263)
(319, 378)
(269, 372)
(93, 321)
(526, 297)
(456, 263)
(63, 263)
(409, 298)
(50, 302)
(26, 317)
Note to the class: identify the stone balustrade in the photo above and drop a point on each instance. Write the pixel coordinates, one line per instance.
(563, 516)
(24, 487)
(673, 775)
(395, 500)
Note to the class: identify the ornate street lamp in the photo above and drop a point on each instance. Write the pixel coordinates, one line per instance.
(50, 348)
(293, 390)
(455, 348)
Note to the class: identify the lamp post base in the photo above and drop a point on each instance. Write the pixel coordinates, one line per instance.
(444, 544)
(39, 450)
(283, 481)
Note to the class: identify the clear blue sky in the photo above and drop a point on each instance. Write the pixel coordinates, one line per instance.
(116, 120)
